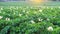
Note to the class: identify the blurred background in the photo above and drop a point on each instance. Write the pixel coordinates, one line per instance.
(29, 2)
(24, 0)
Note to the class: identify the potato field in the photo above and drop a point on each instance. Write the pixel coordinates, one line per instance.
(29, 20)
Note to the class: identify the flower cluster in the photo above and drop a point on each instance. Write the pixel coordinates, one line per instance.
(1, 17)
(50, 28)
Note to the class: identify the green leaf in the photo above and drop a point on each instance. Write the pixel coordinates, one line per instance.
(4, 30)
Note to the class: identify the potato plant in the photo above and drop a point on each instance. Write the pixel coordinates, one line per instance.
(29, 20)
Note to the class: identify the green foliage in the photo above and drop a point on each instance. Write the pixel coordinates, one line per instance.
(5, 30)
(29, 20)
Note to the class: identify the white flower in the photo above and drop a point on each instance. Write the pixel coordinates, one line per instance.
(1, 8)
(50, 28)
(40, 10)
(32, 21)
(54, 17)
(16, 7)
(59, 7)
(48, 19)
(27, 12)
(23, 10)
(7, 19)
(14, 13)
(51, 8)
(1, 17)
(40, 19)
(35, 12)
(20, 14)
(47, 7)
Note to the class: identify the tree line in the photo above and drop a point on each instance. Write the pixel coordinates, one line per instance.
(23, 0)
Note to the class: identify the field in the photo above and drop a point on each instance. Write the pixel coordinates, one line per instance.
(22, 3)
(25, 18)
(29, 20)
